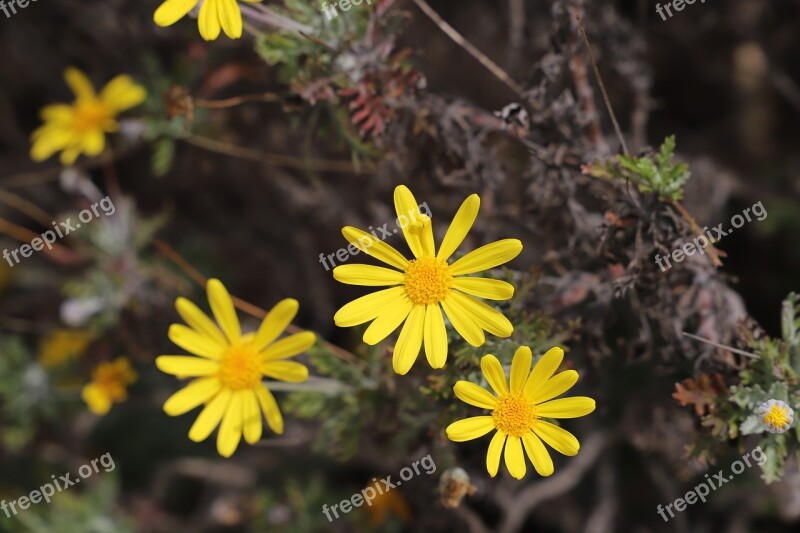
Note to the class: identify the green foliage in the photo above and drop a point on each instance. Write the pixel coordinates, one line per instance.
(773, 374)
(78, 511)
(26, 395)
(651, 173)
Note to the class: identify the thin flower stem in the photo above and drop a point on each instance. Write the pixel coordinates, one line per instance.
(58, 252)
(25, 206)
(722, 346)
(237, 100)
(602, 85)
(243, 305)
(469, 47)
(272, 159)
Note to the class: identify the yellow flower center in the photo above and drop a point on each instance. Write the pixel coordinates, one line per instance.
(428, 280)
(515, 414)
(777, 417)
(90, 115)
(240, 367)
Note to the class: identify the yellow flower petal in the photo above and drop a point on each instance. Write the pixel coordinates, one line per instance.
(491, 289)
(543, 369)
(79, 83)
(172, 11)
(230, 431)
(538, 455)
(270, 408)
(210, 416)
(558, 438)
(435, 337)
(485, 316)
(48, 141)
(375, 247)
(486, 257)
(520, 368)
(251, 417)
(285, 371)
(410, 341)
(515, 459)
(493, 372)
(186, 366)
(199, 321)
(122, 93)
(406, 206)
(93, 142)
(465, 324)
(494, 452)
(69, 156)
(194, 342)
(566, 407)
(388, 320)
(368, 307)
(555, 386)
(460, 226)
(57, 114)
(222, 307)
(96, 399)
(474, 395)
(289, 346)
(196, 393)
(469, 428)
(367, 275)
(276, 322)
(230, 17)
(208, 21)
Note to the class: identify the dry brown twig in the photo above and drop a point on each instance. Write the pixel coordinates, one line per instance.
(451, 32)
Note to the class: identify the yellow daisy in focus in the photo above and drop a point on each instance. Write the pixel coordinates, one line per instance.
(80, 127)
(62, 345)
(518, 409)
(422, 287)
(214, 15)
(229, 368)
(109, 385)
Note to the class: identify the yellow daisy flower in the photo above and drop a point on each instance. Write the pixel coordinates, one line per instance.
(62, 345)
(419, 286)
(80, 127)
(109, 385)
(518, 409)
(214, 15)
(230, 367)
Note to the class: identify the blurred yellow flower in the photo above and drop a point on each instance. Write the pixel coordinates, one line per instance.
(230, 368)
(517, 411)
(390, 502)
(80, 127)
(61, 345)
(419, 286)
(214, 15)
(109, 385)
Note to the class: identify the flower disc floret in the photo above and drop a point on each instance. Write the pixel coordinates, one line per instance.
(240, 367)
(515, 414)
(428, 280)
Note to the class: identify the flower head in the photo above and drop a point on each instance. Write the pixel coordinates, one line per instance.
(62, 345)
(776, 415)
(214, 15)
(80, 127)
(229, 367)
(109, 385)
(421, 287)
(518, 409)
